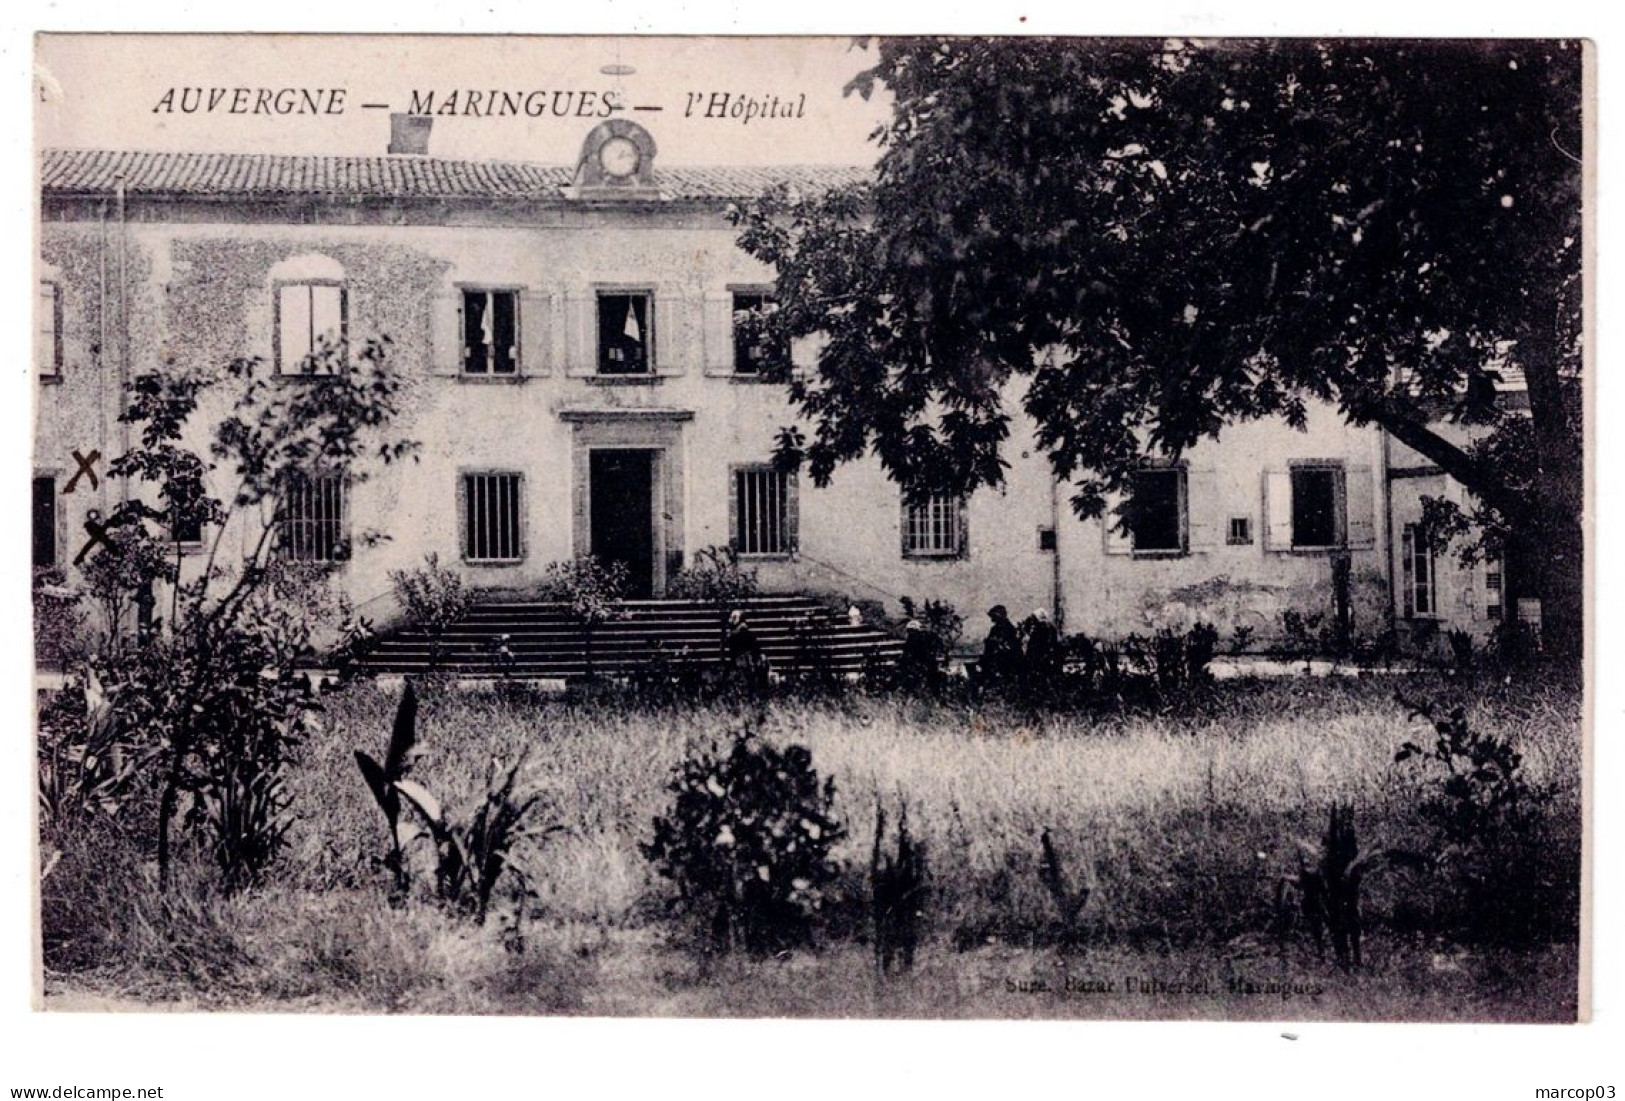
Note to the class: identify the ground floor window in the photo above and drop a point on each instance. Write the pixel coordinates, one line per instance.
(1157, 511)
(1421, 592)
(312, 522)
(934, 527)
(492, 517)
(1494, 584)
(1317, 506)
(45, 548)
(762, 508)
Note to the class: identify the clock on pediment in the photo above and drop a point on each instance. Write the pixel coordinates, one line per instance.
(616, 159)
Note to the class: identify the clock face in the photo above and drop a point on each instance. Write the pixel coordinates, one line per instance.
(619, 157)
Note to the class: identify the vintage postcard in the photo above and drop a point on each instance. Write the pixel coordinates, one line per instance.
(807, 527)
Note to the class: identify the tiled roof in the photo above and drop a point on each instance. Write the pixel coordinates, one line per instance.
(97, 172)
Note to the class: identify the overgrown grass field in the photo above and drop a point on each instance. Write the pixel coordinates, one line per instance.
(1183, 821)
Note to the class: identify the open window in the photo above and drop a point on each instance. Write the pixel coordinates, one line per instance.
(1155, 518)
(754, 351)
(1319, 505)
(490, 331)
(625, 332)
(46, 552)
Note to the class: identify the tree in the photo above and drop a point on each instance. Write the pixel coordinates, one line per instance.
(213, 691)
(1158, 239)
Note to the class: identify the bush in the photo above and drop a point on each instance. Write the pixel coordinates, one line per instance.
(1506, 880)
(747, 842)
(940, 619)
(433, 598)
(592, 590)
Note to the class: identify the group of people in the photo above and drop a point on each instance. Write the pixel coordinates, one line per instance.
(1011, 653)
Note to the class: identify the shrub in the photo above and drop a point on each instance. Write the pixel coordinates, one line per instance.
(592, 590)
(1201, 642)
(60, 634)
(1505, 880)
(939, 618)
(471, 857)
(433, 598)
(747, 841)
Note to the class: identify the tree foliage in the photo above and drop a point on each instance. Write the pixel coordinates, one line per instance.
(1159, 239)
(210, 695)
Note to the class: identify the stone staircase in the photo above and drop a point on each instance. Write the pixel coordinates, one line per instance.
(541, 641)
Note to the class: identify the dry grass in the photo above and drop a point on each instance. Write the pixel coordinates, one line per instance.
(1179, 822)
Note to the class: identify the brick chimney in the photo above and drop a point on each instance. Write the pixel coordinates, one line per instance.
(409, 134)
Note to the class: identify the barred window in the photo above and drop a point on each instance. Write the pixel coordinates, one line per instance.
(764, 517)
(933, 527)
(492, 517)
(309, 317)
(1421, 594)
(490, 332)
(313, 519)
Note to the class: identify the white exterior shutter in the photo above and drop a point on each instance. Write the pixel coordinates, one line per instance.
(716, 323)
(1360, 496)
(1118, 541)
(1201, 508)
(667, 353)
(446, 332)
(581, 342)
(533, 318)
(1277, 510)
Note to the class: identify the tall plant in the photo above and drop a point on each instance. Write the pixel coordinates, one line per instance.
(214, 692)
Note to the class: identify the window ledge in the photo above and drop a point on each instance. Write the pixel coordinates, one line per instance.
(622, 380)
(1154, 554)
(934, 556)
(767, 556)
(493, 563)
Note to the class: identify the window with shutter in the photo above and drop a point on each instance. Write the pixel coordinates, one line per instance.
(625, 332)
(490, 321)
